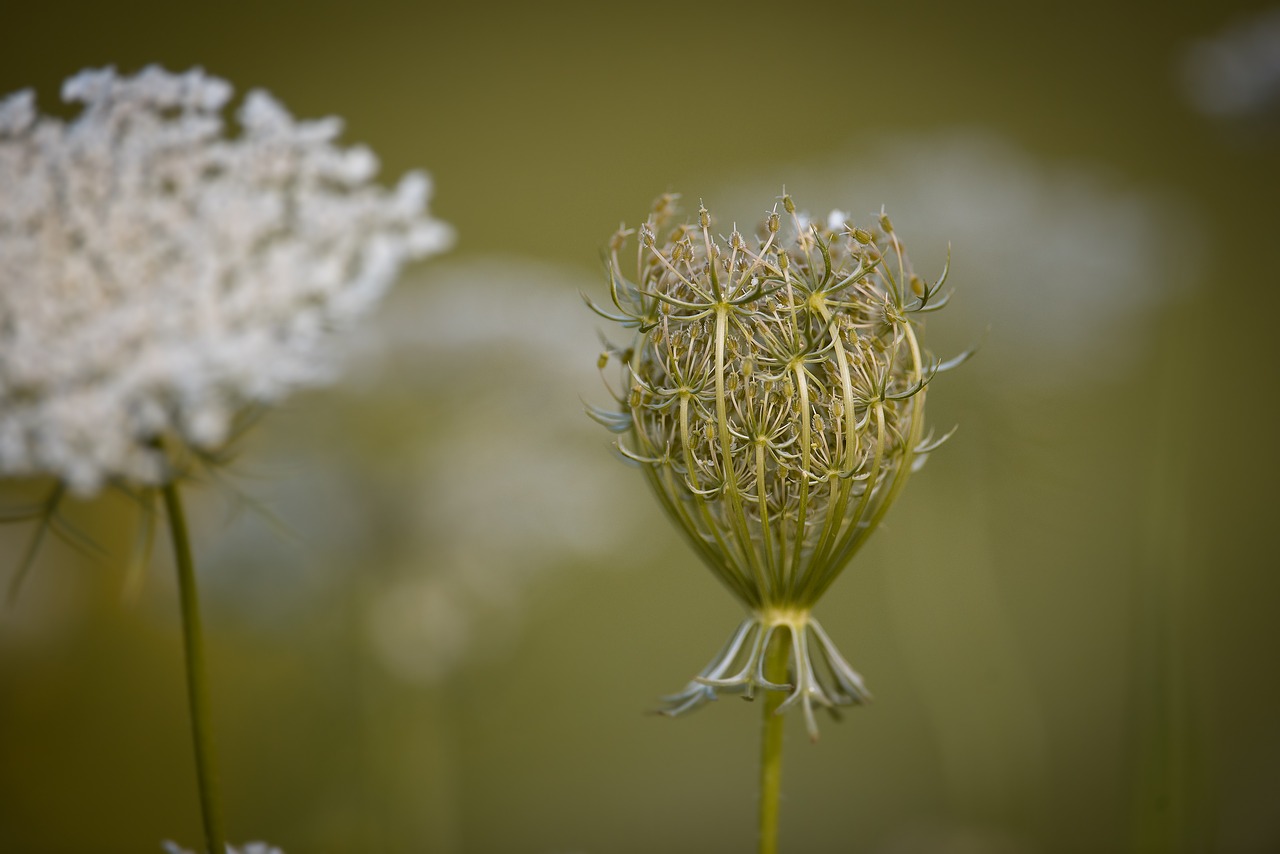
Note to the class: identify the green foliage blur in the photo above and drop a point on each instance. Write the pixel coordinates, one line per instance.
(437, 605)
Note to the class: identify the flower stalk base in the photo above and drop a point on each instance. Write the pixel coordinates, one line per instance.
(775, 667)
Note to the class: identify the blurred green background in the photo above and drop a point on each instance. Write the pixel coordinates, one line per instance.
(449, 640)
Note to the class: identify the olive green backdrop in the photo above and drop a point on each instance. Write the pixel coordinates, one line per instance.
(439, 608)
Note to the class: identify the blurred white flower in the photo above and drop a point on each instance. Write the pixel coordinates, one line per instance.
(159, 271)
(1236, 73)
(508, 436)
(1064, 263)
(460, 404)
(247, 848)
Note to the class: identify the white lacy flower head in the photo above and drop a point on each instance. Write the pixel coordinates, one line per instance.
(160, 271)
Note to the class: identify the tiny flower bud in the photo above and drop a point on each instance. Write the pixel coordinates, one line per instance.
(665, 205)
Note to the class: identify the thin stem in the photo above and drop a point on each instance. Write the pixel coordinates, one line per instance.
(771, 741)
(48, 509)
(197, 681)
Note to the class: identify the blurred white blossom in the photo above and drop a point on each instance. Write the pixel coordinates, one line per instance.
(160, 271)
(247, 848)
(1063, 261)
(506, 432)
(460, 403)
(1236, 72)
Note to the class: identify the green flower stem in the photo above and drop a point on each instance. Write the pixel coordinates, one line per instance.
(197, 680)
(771, 742)
(47, 512)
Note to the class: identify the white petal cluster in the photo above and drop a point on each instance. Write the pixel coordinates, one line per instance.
(159, 270)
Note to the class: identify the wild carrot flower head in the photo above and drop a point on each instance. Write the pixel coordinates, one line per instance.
(160, 272)
(774, 398)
